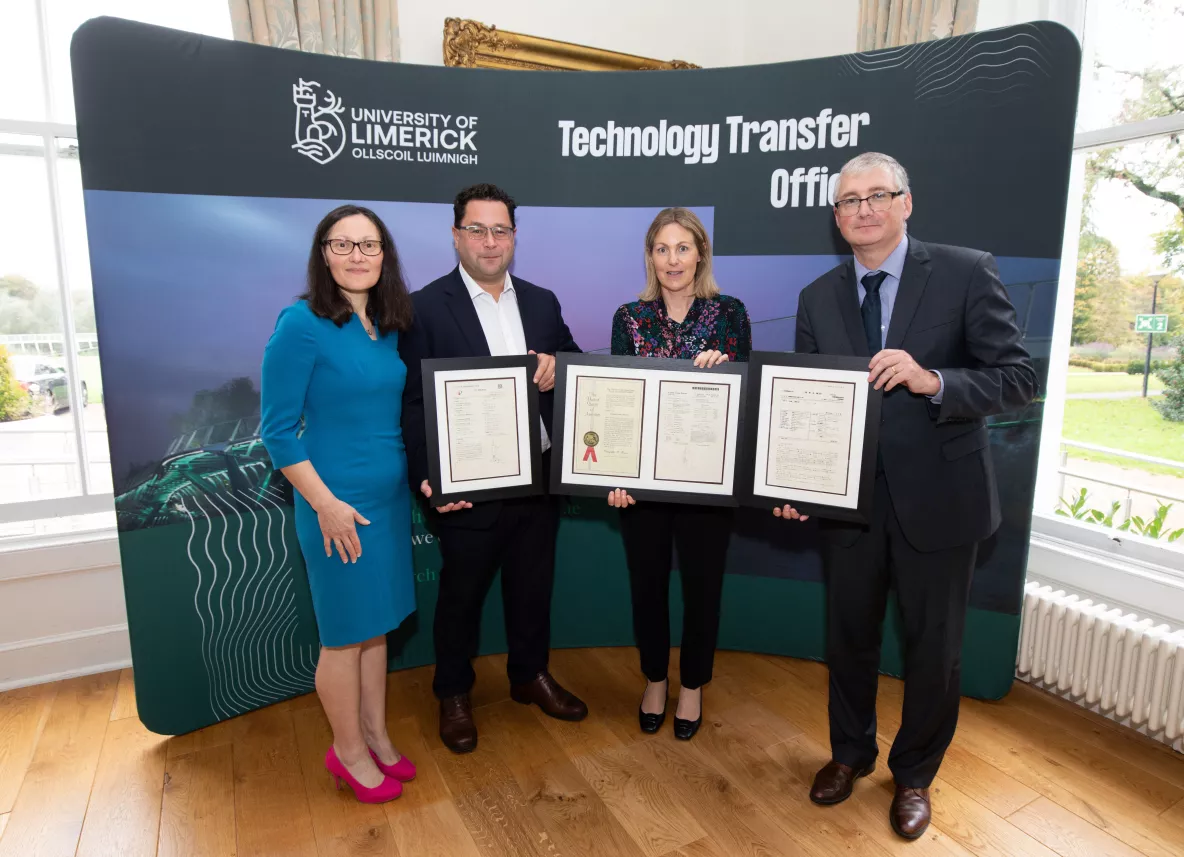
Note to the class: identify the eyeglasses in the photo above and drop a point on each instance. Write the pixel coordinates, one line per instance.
(343, 247)
(478, 233)
(881, 200)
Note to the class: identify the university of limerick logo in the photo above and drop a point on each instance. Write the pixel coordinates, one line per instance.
(320, 133)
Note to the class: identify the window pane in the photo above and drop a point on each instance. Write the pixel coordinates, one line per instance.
(82, 306)
(1138, 68)
(38, 454)
(208, 17)
(20, 60)
(1131, 257)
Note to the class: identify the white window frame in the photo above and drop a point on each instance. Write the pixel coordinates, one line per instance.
(88, 501)
(1086, 557)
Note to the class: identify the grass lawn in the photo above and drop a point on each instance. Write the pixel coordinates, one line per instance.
(1131, 425)
(1108, 382)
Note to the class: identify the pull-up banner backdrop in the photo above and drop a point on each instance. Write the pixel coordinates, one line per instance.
(206, 165)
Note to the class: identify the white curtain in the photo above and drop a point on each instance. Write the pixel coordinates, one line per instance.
(890, 23)
(362, 29)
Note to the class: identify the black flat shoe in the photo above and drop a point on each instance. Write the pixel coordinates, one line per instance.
(684, 730)
(650, 723)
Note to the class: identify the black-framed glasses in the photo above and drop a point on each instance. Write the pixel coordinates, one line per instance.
(477, 232)
(881, 200)
(343, 246)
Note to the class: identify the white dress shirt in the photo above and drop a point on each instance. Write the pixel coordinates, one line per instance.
(501, 323)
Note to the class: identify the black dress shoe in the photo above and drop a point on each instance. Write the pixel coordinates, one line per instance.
(684, 730)
(651, 723)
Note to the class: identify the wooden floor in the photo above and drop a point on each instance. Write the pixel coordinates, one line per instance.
(1028, 777)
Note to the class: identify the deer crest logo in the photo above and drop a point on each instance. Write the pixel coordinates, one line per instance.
(320, 133)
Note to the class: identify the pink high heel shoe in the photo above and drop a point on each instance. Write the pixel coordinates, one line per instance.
(402, 770)
(387, 790)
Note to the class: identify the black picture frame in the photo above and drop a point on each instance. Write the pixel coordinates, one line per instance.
(648, 364)
(430, 368)
(746, 469)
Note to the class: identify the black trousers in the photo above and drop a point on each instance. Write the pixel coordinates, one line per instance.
(701, 533)
(522, 544)
(932, 590)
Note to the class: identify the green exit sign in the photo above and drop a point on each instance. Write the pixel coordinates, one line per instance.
(1151, 324)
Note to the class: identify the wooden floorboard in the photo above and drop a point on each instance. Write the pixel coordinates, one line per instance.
(123, 814)
(197, 811)
(125, 697)
(22, 717)
(1030, 776)
(47, 817)
(1066, 833)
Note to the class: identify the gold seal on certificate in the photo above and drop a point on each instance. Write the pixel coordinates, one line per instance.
(657, 427)
(483, 428)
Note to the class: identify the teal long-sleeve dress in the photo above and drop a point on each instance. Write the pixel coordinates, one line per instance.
(333, 396)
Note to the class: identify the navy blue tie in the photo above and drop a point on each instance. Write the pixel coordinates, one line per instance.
(870, 310)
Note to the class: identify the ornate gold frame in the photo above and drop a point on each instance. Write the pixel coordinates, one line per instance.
(471, 44)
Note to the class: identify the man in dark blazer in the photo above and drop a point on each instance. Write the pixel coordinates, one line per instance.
(479, 310)
(942, 342)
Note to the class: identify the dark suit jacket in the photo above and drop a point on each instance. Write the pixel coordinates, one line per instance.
(446, 325)
(951, 314)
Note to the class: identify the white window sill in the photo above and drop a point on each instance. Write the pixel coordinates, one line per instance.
(1140, 575)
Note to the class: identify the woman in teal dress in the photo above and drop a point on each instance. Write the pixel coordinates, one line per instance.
(332, 393)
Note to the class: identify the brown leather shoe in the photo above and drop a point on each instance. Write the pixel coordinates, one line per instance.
(548, 695)
(910, 812)
(833, 784)
(457, 730)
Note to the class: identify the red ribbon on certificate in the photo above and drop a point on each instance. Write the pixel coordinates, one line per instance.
(591, 438)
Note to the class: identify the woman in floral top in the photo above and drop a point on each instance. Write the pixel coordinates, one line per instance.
(681, 314)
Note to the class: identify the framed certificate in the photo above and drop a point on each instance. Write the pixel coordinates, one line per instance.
(483, 429)
(659, 428)
(813, 431)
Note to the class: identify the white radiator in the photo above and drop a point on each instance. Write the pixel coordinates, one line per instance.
(1104, 659)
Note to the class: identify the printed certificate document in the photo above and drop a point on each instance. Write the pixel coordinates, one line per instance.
(609, 412)
(810, 434)
(481, 417)
(662, 429)
(482, 429)
(813, 430)
(692, 437)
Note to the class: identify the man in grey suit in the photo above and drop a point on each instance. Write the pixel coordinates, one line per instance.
(940, 335)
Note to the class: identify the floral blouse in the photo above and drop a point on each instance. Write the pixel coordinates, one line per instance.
(643, 329)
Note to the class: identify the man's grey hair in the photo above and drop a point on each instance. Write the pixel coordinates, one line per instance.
(875, 160)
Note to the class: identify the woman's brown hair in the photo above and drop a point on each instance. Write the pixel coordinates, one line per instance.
(389, 304)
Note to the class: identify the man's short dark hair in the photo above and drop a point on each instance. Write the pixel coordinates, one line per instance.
(490, 192)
